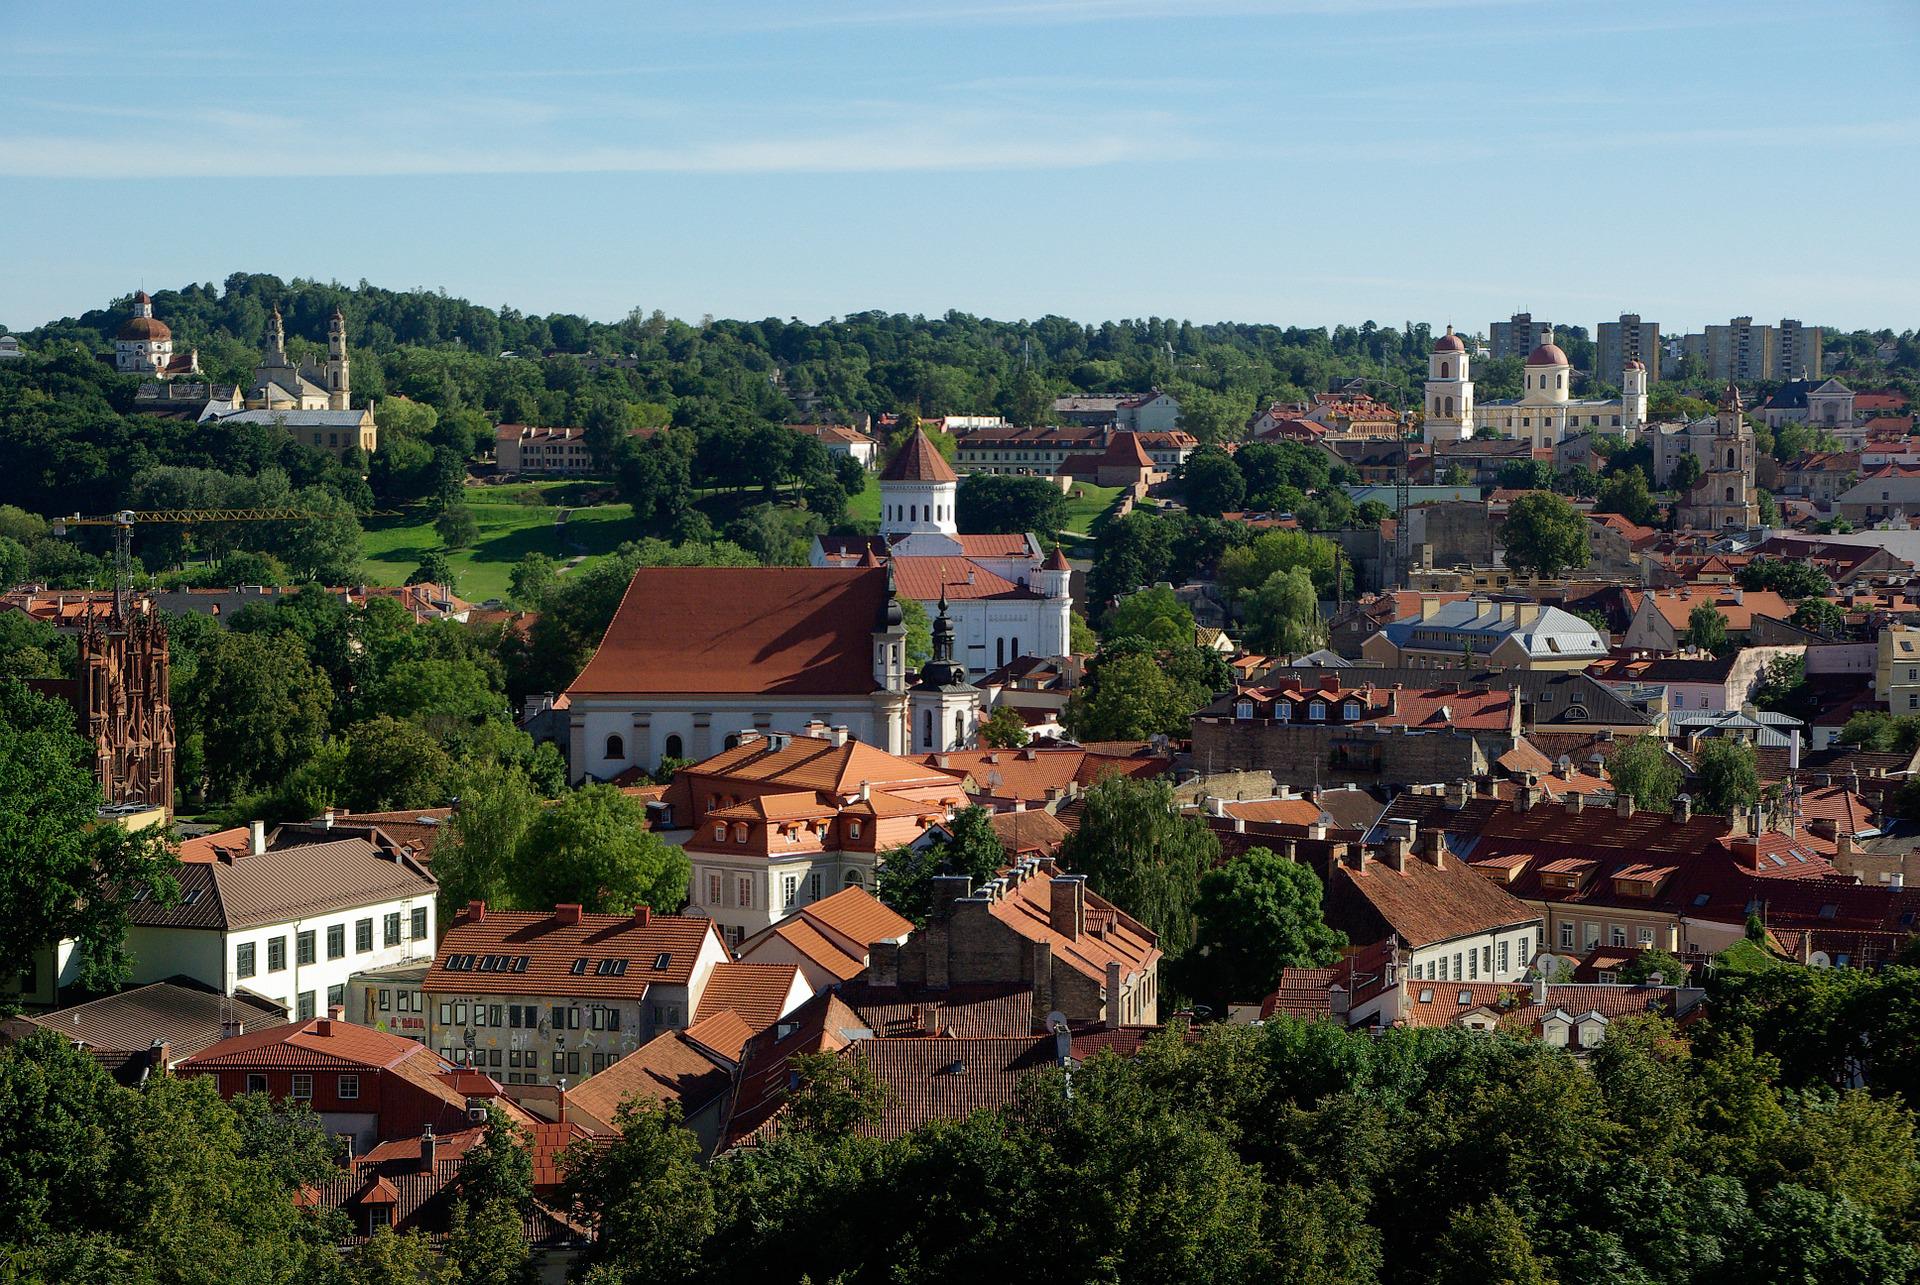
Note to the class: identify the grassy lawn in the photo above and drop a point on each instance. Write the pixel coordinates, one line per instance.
(510, 528)
(863, 510)
(1087, 502)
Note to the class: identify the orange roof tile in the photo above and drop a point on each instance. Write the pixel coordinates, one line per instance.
(757, 992)
(919, 461)
(551, 944)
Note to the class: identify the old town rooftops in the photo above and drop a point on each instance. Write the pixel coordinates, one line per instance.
(242, 889)
(568, 952)
(1330, 699)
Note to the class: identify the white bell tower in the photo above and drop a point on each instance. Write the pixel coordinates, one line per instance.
(1449, 415)
(1633, 395)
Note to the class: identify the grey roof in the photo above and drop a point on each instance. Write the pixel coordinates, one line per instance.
(1770, 729)
(1552, 632)
(291, 417)
(1546, 694)
(1869, 490)
(183, 1014)
(283, 884)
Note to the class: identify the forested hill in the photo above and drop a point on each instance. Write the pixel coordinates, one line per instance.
(446, 351)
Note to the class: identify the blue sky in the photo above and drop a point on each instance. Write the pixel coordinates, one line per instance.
(1296, 161)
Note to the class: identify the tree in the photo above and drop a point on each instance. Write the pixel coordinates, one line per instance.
(593, 848)
(69, 875)
(969, 847)
(1130, 699)
(1211, 483)
(1788, 577)
(913, 618)
(1625, 492)
(435, 568)
(1527, 475)
(1487, 1245)
(389, 764)
(1003, 503)
(1456, 475)
(1783, 683)
(1245, 568)
(456, 526)
(1820, 616)
(1545, 536)
(1644, 770)
(1140, 853)
(325, 548)
(477, 859)
(1707, 628)
(1727, 775)
(1283, 617)
(1686, 473)
(1801, 1235)
(530, 581)
(1155, 615)
(649, 1194)
(395, 1258)
(1257, 915)
(259, 705)
(1003, 729)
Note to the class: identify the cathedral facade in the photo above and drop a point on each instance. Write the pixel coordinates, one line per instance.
(1546, 410)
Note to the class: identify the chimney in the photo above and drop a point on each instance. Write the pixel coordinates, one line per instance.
(883, 963)
(838, 734)
(1826, 828)
(323, 1025)
(1432, 848)
(1355, 855)
(336, 1012)
(1624, 805)
(1428, 608)
(1540, 988)
(1682, 808)
(1217, 807)
(326, 819)
(1399, 844)
(1576, 802)
(1116, 988)
(258, 838)
(476, 911)
(1458, 792)
(642, 914)
(866, 791)
(568, 912)
(428, 1148)
(1746, 850)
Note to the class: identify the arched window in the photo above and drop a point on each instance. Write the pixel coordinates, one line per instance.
(719, 831)
(739, 831)
(853, 829)
(675, 748)
(1350, 711)
(1449, 406)
(1244, 709)
(1317, 711)
(926, 730)
(732, 741)
(999, 651)
(1729, 495)
(1559, 381)
(1730, 460)
(854, 879)
(913, 513)
(616, 747)
(959, 727)
(1015, 648)
(1446, 370)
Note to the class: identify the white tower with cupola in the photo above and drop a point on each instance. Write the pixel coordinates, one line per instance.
(1633, 395)
(918, 491)
(1449, 415)
(943, 707)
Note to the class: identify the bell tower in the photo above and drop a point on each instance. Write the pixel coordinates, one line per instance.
(1449, 394)
(339, 389)
(942, 707)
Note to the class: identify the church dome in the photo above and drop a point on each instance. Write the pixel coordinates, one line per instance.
(1449, 342)
(1548, 354)
(148, 328)
(1634, 363)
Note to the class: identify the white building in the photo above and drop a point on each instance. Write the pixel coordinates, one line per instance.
(291, 924)
(1007, 598)
(144, 345)
(1546, 409)
(695, 656)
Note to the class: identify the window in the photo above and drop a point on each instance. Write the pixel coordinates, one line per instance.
(926, 730)
(336, 941)
(303, 947)
(853, 829)
(675, 748)
(854, 879)
(419, 923)
(719, 831)
(276, 954)
(1243, 709)
(386, 999)
(363, 935)
(305, 1005)
(243, 959)
(813, 886)
(1458, 970)
(460, 1013)
(256, 1084)
(1473, 965)
(1592, 935)
(390, 929)
(347, 1088)
(1619, 936)
(446, 1013)
(739, 831)
(1505, 958)
(559, 1017)
(1283, 711)
(302, 1088)
(1645, 937)
(746, 891)
(336, 995)
(1566, 934)
(713, 888)
(1350, 711)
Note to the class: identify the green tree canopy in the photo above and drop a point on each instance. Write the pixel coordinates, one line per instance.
(1645, 771)
(1545, 536)
(1283, 616)
(1140, 853)
(1727, 775)
(1257, 915)
(593, 847)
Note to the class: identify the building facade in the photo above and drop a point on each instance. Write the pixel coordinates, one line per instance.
(1725, 496)
(1626, 340)
(144, 345)
(1148, 412)
(1517, 336)
(1547, 411)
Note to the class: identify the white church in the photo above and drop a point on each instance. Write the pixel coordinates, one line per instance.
(1546, 410)
(1005, 596)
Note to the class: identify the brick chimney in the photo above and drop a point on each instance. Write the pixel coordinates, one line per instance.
(428, 1149)
(476, 911)
(1067, 905)
(1746, 850)
(1682, 808)
(1624, 805)
(336, 1012)
(1399, 843)
(1432, 848)
(568, 912)
(642, 914)
(883, 963)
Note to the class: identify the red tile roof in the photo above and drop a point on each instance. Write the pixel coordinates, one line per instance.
(670, 1067)
(759, 993)
(317, 1042)
(773, 630)
(1421, 903)
(960, 579)
(552, 943)
(1111, 935)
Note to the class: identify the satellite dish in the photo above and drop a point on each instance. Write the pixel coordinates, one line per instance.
(1056, 1021)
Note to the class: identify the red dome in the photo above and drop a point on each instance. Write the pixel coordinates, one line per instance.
(1547, 355)
(1634, 363)
(1449, 342)
(147, 328)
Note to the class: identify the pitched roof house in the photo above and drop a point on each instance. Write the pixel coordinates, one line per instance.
(828, 940)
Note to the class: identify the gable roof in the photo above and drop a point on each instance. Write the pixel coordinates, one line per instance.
(283, 884)
(185, 1015)
(1022, 900)
(552, 944)
(672, 1066)
(1421, 903)
(317, 1042)
(758, 993)
(772, 630)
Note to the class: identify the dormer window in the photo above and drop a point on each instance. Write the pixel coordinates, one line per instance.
(720, 832)
(1317, 711)
(853, 829)
(1243, 709)
(1350, 712)
(1283, 711)
(739, 831)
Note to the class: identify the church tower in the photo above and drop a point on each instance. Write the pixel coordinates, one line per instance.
(1449, 415)
(918, 490)
(276, 354)
(890, 670)
(1054, 581)
(339, 390)
(943, 705)
(1633, 395)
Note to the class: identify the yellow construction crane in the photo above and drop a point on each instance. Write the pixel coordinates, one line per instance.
(125, 520)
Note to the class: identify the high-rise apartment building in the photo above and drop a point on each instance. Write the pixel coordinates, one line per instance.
(1796, 351)
(1741, 351)
(1625, 340)
(1519, 335)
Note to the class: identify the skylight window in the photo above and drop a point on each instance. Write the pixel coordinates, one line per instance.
(662, 960)
(1466, 997)
(1426, 994)
(579, 967)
